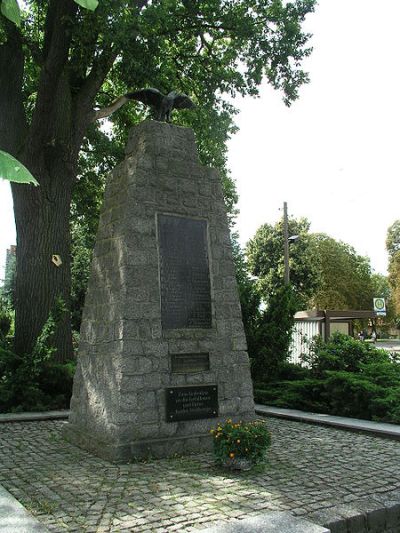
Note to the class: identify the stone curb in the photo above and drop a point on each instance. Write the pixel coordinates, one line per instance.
(27, 417)
(378, 429)
(362, 516)
(272, 522)
(14, 518)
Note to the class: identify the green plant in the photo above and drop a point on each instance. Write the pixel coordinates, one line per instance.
(345, 377)
(5, 324)
(240, 440)
(341, 353)
(35, 381)
(273, 335)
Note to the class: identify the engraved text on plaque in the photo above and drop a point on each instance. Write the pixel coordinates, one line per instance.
(184, 273)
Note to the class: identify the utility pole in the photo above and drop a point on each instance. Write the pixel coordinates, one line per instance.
(286, 242)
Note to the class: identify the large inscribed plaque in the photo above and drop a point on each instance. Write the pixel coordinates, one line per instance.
(184, 273)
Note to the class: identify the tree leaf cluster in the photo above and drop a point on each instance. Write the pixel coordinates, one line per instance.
(393, 248)
(266, 259)
(324, 273)
(345, 276)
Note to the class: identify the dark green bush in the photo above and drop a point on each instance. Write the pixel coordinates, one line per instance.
(291, 372)
(25, 387)
(5, 324)
(350, 394)
(273, 335)
(346, 377)
(35, 382)
(342, 352)
(303, 394)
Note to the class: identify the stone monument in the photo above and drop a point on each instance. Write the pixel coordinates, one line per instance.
(162, 355)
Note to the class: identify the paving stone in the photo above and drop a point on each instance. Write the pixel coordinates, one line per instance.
(317, 473)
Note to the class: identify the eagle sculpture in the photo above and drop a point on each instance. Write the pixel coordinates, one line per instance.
(162, 104)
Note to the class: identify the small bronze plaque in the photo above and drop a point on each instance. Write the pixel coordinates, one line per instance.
(184, 273)
(191, 403)
(182, 363)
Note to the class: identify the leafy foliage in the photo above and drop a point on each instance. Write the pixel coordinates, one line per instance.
(249, 297)
(34, 381)
(345, 276)
(393, 248)
(266, 259)
(273, 335)
(345, 377)
(13, 170)
(10, 9)
(341, 353)
(241, 441)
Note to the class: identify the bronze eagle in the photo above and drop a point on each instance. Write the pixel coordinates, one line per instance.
(162, 104)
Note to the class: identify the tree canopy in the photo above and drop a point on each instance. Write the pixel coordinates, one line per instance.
(324, 273)
(266, 259)
(63, 61)
(345, 276)
(393, 248)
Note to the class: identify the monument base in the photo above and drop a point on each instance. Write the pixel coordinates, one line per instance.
(138, 450)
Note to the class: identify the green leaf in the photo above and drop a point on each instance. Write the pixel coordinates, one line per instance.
(88, 4)
(10, 10)
(11, 169)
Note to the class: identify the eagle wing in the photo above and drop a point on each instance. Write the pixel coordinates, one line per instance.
(182, 101)
(150, 96)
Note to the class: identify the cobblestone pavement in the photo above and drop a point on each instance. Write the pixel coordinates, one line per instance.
(310, 468)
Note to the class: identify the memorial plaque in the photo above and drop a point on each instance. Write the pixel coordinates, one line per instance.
(189, 362)
(184, 273)
(191, 403)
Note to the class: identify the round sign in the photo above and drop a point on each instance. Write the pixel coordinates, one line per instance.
(379, 303)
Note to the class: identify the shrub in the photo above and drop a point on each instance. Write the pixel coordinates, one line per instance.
(273, 335)
(35, 381)
(238, 440)
(306, 394)
(341, 353)
(350, 394)
(25, 386)
(5, 324)
(292, 372)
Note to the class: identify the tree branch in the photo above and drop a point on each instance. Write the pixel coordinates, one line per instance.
(57, 41)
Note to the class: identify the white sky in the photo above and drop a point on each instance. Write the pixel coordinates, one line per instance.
(333, 156)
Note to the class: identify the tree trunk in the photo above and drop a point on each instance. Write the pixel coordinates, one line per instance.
(49, 147)
(42, 224)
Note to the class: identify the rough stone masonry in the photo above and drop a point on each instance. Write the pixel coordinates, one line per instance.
(162, 355)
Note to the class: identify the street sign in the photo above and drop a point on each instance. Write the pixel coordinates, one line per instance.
(380, 306)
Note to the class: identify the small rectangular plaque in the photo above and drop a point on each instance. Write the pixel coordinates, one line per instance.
(184, 272)
(192, 403)
(189, 362)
